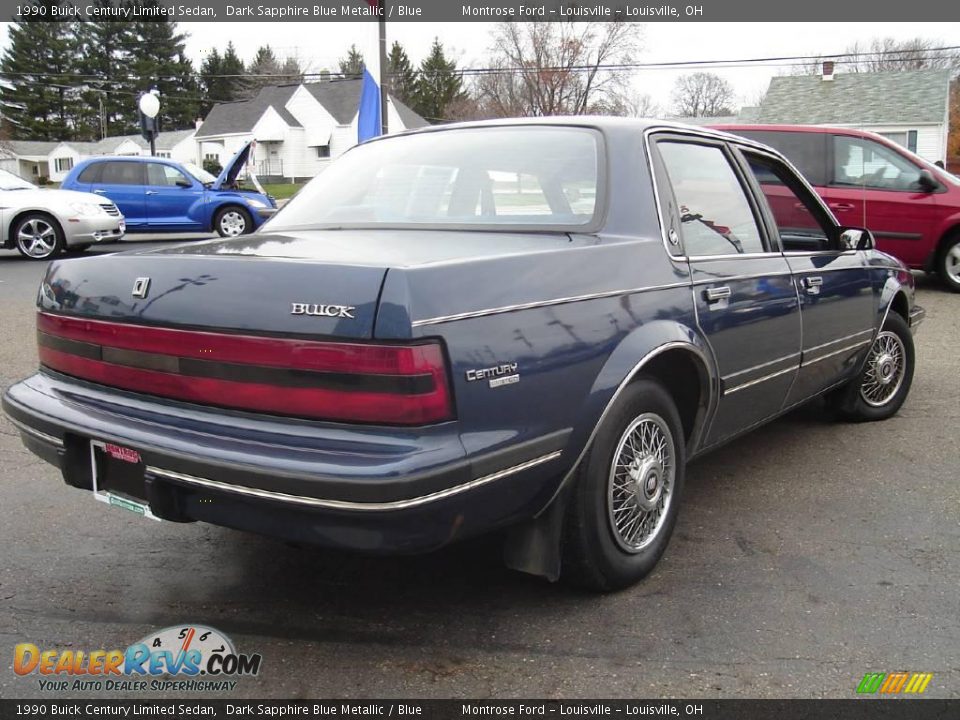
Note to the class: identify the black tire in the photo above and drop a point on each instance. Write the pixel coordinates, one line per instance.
(948, 262)
(875, 394)
(37, 236)
(232, 221)
(595, 553)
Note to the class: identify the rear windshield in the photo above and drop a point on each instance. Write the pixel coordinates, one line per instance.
(505, 176)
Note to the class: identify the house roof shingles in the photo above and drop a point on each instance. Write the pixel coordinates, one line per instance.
(340, 98)
(917, 96)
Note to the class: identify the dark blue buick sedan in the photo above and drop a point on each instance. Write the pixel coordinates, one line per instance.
(522, 326)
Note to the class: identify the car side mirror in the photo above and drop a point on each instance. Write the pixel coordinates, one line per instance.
(184, 183)
(927, 182)
(855, 238)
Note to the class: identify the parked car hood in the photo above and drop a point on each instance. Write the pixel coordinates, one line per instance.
(41, 197)
(232, 169)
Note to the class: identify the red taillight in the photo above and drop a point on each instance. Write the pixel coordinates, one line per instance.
(353, 382)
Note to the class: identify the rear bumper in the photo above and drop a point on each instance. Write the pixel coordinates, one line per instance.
(374, 489)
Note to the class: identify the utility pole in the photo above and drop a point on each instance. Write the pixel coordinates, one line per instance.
(382, 44)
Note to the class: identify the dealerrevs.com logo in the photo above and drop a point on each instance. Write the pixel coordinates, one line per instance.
(178, 658)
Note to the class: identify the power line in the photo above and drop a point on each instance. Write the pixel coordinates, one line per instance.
(947, 52)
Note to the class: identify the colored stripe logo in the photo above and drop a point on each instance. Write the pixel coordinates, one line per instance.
(894, 683)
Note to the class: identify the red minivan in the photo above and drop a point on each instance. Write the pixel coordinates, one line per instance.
(911, 205)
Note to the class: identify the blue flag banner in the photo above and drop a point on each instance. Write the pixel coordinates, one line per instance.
(368, 123)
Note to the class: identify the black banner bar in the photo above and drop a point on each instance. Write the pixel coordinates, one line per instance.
(861, 709)
(488, 10)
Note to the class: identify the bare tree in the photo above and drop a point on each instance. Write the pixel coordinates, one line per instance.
(556, 68)
(887, 55)
(703, 94)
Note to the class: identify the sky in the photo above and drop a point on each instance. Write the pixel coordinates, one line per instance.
(318, 45)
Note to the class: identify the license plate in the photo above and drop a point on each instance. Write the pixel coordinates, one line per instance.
(119, 478)
(122, 227)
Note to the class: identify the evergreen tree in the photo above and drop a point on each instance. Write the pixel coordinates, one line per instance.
(233, 70)
(162, 63)
(351, 66)
(402, 76)
(264, 70)
(222, 77)
(439, 84)
(108, 92)
(39, 96)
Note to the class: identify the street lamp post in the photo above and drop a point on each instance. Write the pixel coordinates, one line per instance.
(149, 123)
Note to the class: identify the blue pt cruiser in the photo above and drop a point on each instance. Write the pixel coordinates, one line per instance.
(518, 326)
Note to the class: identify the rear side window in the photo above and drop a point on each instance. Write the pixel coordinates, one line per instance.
(864, 163)
(91, 173)
(807, 151)
(122, 173)
(715, 215)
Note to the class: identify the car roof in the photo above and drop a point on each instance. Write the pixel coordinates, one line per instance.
(733, 127)
(603, 123)
(129, 158)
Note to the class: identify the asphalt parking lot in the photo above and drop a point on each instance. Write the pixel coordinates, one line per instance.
(806, 555)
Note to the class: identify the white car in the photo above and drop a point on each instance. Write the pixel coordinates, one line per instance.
(42, 223)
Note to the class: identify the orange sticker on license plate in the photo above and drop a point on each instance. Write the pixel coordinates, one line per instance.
(121, 453)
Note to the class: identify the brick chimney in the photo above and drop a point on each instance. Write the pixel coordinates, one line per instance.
(828, 66)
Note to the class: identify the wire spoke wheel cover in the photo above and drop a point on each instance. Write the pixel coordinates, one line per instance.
(37, 238)
(641, 482)
(885, 370)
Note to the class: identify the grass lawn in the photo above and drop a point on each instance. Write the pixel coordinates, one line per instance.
(281, 191)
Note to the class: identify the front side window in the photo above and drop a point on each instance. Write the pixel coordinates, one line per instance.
(164, 175)
(122, 173)
(715, 215)
(533, 176)
(801, 221)
(858, 162)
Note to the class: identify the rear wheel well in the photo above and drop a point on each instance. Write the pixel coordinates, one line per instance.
(900, 306)
(945, 239)
(685, 379)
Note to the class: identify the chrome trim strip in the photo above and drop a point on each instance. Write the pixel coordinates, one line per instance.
(761, 365)
(854, 346)
(839, 340)
(23, 427)
(543, 303)
(345, 504)
(734, 278)
(751, 383)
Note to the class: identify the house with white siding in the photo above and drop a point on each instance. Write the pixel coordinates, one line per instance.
(911, 107)
(299, 128)
(34, 160)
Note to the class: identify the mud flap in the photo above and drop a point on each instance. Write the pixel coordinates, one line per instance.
(534, 547)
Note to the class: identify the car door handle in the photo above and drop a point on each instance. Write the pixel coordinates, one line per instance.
(150, 192)
(842, 207)
(813, 284)
(717, 293)
(100, 192)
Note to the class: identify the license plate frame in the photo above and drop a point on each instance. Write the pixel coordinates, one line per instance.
(135, 505)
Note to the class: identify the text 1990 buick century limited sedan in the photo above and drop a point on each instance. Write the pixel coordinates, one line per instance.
(524, 326)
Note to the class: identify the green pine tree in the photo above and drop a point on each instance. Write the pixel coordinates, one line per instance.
(351, 66)
(108, 91)
(162, 63)
(39, 97)
(439, 84)
(402, 76)
(222, 77)
(264, 70)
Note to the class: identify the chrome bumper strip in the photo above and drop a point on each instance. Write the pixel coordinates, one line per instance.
(345, 504)
(23, 427)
